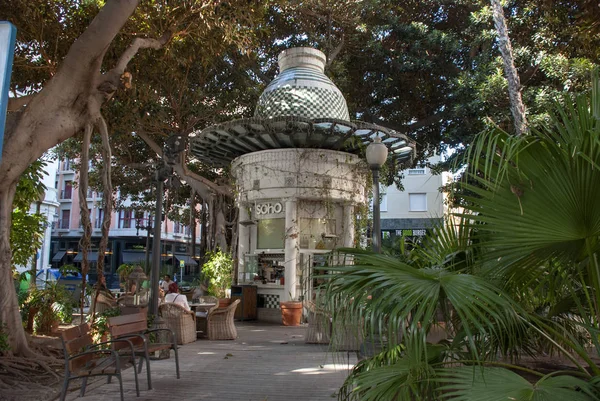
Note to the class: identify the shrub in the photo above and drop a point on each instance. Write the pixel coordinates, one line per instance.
(218, 271)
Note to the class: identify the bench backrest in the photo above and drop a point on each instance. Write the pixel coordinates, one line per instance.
(127, 324)
(75, 340)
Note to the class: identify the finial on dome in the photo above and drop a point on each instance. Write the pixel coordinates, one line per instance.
(302, 57)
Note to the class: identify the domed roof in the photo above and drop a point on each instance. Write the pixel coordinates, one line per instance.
(301, 108)
(302, 89)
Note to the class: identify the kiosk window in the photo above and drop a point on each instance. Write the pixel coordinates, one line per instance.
(271, 234)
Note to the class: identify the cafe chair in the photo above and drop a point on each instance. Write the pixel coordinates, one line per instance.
(202, 315)
(220, 323)
(181, 321)
(319, 325)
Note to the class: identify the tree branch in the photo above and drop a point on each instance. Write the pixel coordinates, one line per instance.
(203, 186)
(335, 52)
(89, 48)
(15, 103)
(141, 43)
(404, 129)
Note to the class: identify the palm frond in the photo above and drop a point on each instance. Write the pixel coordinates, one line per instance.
(499, 384)
(393, 295)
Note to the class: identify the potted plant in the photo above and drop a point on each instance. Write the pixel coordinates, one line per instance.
(291, 312)
(218, 271)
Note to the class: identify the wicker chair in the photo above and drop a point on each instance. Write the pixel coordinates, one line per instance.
(346, 336)
(201, 316)
(220, 323)
(319, 325)
(181, 321)
(101, 303)
(125, 300)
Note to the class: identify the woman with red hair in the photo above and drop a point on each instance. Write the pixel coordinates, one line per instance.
(174, 296)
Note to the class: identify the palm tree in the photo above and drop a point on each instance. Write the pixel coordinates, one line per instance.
(517, 107)
(520, 275)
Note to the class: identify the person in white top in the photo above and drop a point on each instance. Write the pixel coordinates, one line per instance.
(165, 283)
(175, 297)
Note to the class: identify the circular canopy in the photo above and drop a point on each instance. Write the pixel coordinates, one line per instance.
(219, 144)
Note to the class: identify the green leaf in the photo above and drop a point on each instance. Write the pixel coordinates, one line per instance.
(497, 384)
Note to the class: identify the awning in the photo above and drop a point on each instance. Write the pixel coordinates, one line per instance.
(92, 257)
(135, 257)
(58, 256)
(186, 259)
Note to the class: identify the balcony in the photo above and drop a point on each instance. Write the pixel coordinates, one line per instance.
(62, 224)
(66, 194)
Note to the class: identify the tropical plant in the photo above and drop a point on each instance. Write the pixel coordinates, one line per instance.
(519, 274)
(49, 305)
(218, 270)
(99, 327)
(124, 271)
(27, 228)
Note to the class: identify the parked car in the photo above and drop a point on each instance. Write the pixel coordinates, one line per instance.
(71, 280)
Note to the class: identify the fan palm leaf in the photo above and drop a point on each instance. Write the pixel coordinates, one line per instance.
(390, 294)
(499, 384)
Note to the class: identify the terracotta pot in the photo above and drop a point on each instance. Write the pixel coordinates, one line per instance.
(224, 302)
(291, 313)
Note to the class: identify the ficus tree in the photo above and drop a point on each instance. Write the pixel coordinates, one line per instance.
(66, 71)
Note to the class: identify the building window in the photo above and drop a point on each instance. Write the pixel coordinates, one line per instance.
(66, 165)
(383, 203)
(99, 218)
(65, 216)
(68, 191)
(416, 171)
(417, 202)
(177, 228)
(125, 217)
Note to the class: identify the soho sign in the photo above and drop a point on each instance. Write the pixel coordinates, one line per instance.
(269, 208)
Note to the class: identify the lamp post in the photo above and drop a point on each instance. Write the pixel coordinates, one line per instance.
(377, 154)
(174, 145)
(148, 227)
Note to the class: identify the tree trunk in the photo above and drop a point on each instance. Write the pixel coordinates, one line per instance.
(59, 111)
(517, 107)
(9, 307)
(32, 279)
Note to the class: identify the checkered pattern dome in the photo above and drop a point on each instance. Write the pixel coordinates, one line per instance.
(302, 92)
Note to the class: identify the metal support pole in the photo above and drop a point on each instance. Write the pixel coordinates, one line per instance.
(153, 307)
(376, 213)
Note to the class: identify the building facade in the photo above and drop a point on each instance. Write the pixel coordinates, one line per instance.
(421, 206)
(48, 207)
(129, 236)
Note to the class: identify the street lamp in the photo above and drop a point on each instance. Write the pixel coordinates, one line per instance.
(377, 154)
(174, 145)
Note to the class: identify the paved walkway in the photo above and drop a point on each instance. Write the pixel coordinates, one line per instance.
(266, 363)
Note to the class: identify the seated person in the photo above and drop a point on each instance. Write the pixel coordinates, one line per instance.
(175, 297)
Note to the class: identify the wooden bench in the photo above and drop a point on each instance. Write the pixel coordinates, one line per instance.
(134, 328)
(84, 359)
